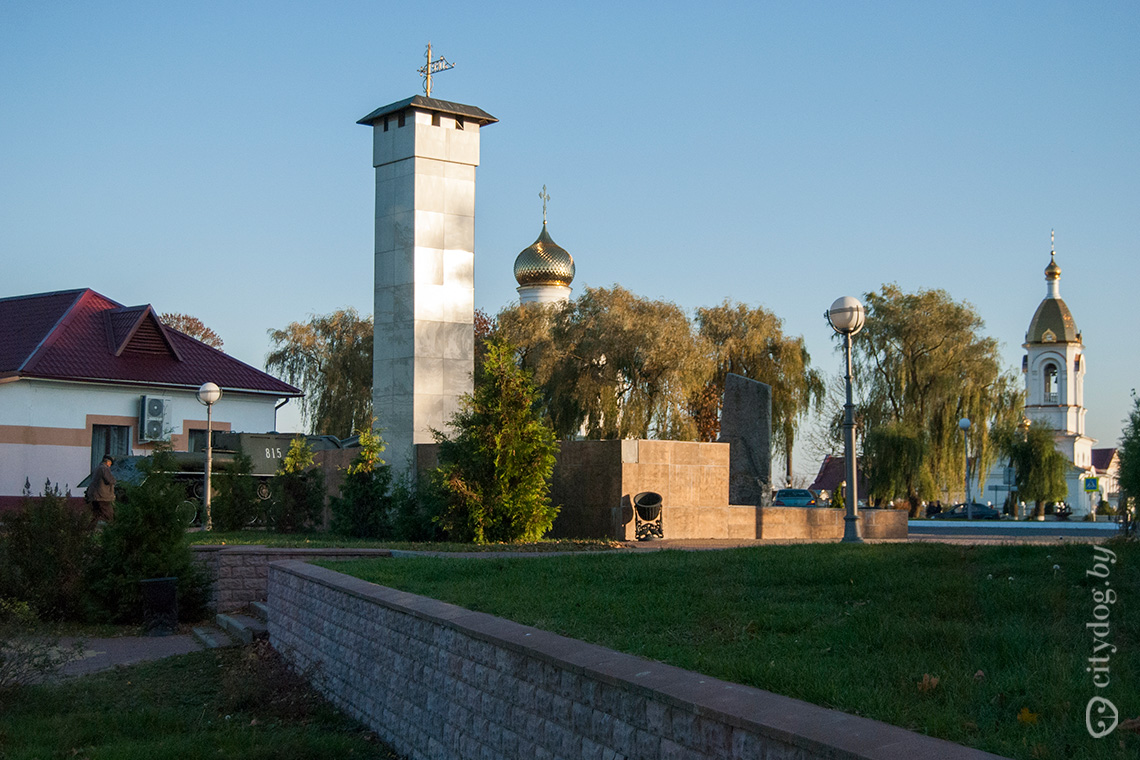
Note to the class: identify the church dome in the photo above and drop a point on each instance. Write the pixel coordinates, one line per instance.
(1053, 322)
(1052, 272)
(544, 263)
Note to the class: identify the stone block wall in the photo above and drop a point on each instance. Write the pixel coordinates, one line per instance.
(241, 573)
(438, 681)
(595, 482)
(825, 523)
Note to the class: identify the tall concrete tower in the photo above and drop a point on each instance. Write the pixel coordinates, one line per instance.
(425, 152)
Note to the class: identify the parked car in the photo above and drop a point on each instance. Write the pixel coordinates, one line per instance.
(978, 512)
(794, 497)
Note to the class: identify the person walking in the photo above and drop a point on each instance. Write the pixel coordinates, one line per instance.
(101, 493)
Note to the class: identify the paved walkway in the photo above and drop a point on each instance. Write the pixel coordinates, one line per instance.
(105, 654)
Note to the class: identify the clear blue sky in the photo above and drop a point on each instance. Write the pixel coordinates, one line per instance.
(204, 157)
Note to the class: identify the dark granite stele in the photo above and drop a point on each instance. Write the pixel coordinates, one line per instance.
(660, 710)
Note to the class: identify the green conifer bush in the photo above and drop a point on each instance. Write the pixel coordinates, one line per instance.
(496, 472)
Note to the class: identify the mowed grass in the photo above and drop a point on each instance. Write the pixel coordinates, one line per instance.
(237, 703)
(332, 541)
(864, 629)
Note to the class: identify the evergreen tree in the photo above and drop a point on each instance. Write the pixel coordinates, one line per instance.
(363, 509)
(495, 473)
(298, 491)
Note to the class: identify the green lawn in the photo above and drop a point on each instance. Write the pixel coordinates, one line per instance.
(332, 541)
(238, 703)
(865, 629)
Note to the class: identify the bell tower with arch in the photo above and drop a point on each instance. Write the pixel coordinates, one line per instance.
(1054, 369)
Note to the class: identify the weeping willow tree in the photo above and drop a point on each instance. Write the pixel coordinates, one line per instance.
(330, 359)
(611, 363)
(921, 364)
(1039, 466)
(896, 458)
(751, 342)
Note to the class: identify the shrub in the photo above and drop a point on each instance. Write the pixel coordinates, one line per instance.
(25, 655)
(235, 504)
(44, 554)
(416, 508)
(496, 472)
(146, 540)
(364, 507)
(298, 492)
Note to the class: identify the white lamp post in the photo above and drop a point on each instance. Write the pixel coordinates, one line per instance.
(209, 394)
(964, 426)
(846, 316)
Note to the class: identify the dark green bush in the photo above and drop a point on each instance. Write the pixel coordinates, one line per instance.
(146, 540)
(298, 492)
(364, 507)
(235, 504)
(416, 508)
(45, 549)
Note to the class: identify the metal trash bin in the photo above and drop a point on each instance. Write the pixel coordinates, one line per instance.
(160, 605)
(647, 516)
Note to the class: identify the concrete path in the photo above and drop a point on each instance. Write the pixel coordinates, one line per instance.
(105, 654)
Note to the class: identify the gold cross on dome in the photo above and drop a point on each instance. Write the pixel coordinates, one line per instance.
(545, 197)
(433, 67)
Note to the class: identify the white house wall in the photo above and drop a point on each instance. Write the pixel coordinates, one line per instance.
(45, 426)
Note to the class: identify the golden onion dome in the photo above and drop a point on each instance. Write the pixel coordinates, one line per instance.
(1052, 272)
(544, 263)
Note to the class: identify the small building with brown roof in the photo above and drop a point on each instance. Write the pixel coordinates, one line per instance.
(82, 376)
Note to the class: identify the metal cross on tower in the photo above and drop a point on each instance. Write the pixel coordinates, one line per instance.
(545, 197)
(433, 67)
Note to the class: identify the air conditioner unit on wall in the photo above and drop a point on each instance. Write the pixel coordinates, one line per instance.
(153, 414)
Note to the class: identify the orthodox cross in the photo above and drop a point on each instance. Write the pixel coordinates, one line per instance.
(433, 67)
(545, 197)
(1052, 241)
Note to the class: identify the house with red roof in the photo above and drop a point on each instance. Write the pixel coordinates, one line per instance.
(82, 376)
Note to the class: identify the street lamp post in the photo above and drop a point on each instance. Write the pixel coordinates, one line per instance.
(846, 316)
(964, 426)
(209, 394)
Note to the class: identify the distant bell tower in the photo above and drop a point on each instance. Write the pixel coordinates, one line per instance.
(425, 152)
(1054, 368)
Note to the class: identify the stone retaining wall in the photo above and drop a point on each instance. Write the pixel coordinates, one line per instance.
(241, 573)
(824, 523)
(438, 681)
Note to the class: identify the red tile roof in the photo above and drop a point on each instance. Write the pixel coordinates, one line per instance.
(1102, 458)
(80, 335)
(833, 471)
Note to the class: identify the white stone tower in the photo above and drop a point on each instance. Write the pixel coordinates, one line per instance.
(425, 152)
(1054, 368)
